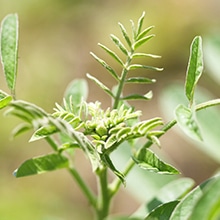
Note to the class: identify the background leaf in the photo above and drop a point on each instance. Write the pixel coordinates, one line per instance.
(9, 49)
(5, 99)
(186, 120)
(42, 164)
(195, 67)
(75, 92)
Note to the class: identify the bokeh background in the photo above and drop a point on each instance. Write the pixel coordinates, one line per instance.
(55, 40)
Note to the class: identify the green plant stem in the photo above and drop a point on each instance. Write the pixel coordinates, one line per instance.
(103, 200)
(83, 186)
(52, 143)
(122, 80)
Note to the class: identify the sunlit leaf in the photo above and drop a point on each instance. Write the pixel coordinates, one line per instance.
(140, 80)
(5, 99)
(119, 44)
(137, 55)
(21, 129)
(140, 23)
(112, 54)
(146, 159)
(9, 49)
(106, 66)
(43, 132)
(142, 41)
(195, 67)
(147, 96)
(140, 66)
(144, 32)
(42, 164)
(162, 212)
(186, 120)
(100, 84)
(125, 34)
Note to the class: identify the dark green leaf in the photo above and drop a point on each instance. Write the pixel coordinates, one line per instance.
(162, 212)
(146, 159)
(9, 49)
(140, 80)
(100, 84)
(147, 96)
(106, 66)
(75, 92)
(125, 34)
(112, 54)
(42, 164)
(186, 120)
(140, 66)
(195, 67)
(142, 41)
(119, 44)
(5, 99)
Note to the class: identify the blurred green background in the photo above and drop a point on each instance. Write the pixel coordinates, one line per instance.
(55, 40)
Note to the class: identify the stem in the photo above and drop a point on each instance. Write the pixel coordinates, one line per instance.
(52, 143)
(83, 186)
(122, 80)
(103, 202)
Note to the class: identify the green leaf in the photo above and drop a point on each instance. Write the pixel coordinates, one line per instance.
(9, 49)
(75, 92)
(186, 120)
(174, 190)
(195, 67)
(162, 212)
(140, 66)
(21, 129)
(137, 55)
(112, 54)
(100, 84)
(184, 209)
(125, 34)
(208, 206)
(119, 44)
(43, 132)
(142, 41)
(106, 66)
(144, 32)
(140, 80)
(5, 99)
(42, 164)
(147, 96)
(140, 23)
(146, 159)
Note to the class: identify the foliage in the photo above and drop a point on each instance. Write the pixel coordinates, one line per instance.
(78, 124)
